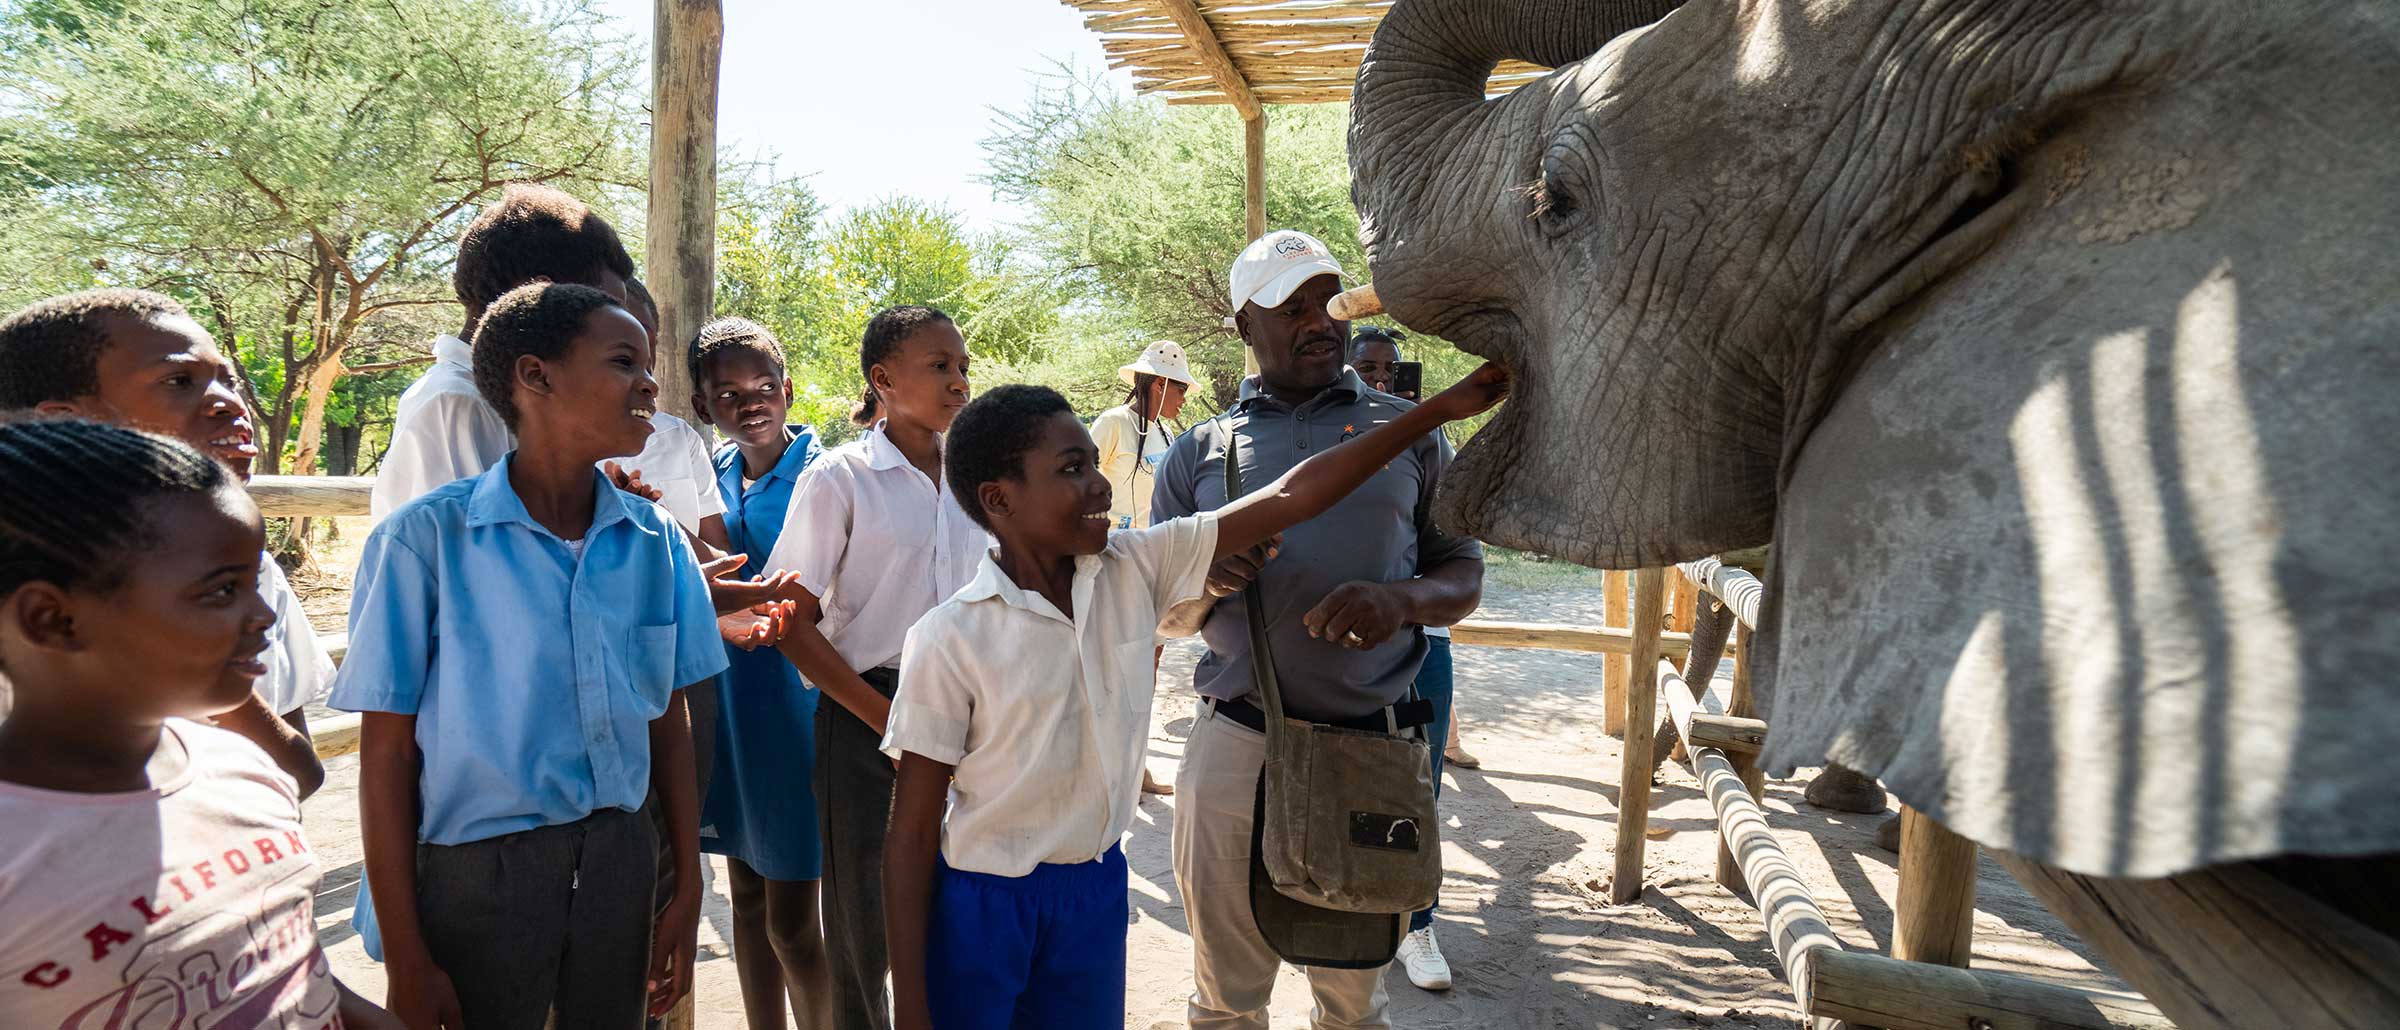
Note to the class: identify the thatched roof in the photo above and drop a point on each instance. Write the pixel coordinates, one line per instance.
(1247, 52)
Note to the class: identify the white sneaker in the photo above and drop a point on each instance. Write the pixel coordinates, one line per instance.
(1423, 960)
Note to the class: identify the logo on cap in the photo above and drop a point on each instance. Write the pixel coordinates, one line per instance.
(1293, 245)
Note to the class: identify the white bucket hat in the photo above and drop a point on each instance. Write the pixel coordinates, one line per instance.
(1275, 264)
(1162, 359)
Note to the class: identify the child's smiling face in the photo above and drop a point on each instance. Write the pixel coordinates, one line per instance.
(164, 374)
(925, 379)
(1060, 505)
(180, 635)
(745, 396)
(601, 396)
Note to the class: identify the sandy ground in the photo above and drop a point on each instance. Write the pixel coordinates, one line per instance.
(1525, 919)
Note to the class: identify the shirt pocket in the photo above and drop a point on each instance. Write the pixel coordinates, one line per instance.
(1134, 678)
(651, 662)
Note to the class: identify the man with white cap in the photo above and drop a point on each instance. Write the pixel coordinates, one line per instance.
(1133, 438)
(1344, 601)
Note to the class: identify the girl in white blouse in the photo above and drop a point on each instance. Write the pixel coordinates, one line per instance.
(876, 541)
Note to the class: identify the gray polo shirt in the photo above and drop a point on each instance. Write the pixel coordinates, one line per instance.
(1382, 533)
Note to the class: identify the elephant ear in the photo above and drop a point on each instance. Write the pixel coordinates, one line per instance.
(2095, 560)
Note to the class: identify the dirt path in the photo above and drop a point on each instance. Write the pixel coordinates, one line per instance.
(1526, 842)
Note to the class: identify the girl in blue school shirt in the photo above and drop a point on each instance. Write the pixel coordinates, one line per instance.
(760, 812)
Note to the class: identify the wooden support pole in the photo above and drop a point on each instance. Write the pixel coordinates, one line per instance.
(1745, 765)
(1616, 610)
(1741, 591)
(1254, 173)
(1254, 195)
(1680, 614)
(1641, 731)
(681, 249)
(1935, 919)
(1871, 990)
(311, 496)
(686, 40)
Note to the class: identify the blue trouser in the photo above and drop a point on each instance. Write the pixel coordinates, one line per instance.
(1433, 684)
(1042, 951)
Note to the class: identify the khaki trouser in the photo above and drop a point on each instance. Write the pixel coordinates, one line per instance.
(1233, 969)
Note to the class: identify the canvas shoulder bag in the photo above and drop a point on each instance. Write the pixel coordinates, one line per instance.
(1346, 817)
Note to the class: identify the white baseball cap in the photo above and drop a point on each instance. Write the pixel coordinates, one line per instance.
(1162, 359)
(1275, 264)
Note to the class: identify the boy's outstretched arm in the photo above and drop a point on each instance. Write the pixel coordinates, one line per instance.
(909, 847)
(676, 780)
(1316, 484)
(416, 990)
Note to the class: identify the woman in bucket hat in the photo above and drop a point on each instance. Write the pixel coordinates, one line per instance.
(1133, 437)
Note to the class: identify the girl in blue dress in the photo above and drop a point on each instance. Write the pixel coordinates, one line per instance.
(760, 812)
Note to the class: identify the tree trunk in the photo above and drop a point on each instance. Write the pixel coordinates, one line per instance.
(341, 450)
(687, 37)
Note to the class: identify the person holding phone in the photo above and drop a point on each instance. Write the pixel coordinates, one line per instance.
(1375, 356)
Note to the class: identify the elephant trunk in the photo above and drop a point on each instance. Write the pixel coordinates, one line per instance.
(1424, 76)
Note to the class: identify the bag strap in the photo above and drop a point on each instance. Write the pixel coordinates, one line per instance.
(1262, 661)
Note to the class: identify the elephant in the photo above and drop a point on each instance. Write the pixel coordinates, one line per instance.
(2055, 347)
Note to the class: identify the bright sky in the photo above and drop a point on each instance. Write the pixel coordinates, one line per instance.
(883, 97)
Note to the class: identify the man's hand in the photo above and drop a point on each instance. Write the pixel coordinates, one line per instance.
(1235, 572)
(631, 482)
(760, 625)
(1358, 615)
(671, 949)
(419, 994)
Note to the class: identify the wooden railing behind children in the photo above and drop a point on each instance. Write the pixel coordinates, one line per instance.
(324, 496)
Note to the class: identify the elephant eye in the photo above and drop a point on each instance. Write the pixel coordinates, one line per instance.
(1556, 197)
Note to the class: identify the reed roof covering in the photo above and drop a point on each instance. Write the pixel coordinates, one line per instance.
(1248, 52)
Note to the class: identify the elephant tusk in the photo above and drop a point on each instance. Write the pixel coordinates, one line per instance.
(1355, 303)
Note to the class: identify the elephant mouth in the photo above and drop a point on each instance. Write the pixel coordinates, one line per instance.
(1485, 493)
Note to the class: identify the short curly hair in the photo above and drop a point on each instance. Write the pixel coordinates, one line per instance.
(989, 438)
(537, 319)
(50, 350)
(533, 233)
(723, 335)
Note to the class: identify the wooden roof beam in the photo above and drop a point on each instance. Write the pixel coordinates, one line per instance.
(1212, 56)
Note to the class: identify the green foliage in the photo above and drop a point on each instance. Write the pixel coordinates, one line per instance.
(295, 170)
(816, 280)
(1135, 207)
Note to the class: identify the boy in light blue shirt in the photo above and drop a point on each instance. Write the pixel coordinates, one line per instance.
(520, 641)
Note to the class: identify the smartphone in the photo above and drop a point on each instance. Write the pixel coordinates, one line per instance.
(1408, 377)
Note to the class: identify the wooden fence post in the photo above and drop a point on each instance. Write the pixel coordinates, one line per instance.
(1682, 613)
(1729, 867)
(1641, 733)
(1935, 919)
(1617, 613)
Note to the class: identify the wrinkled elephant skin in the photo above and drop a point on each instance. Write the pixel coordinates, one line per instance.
(2056, 345)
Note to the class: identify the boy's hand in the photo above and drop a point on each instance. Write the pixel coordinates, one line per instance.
(1358, 615)
(630, 482)
(419, 994)
(1472, 396)
(757, 626)
(677, 937)
(1235, 572)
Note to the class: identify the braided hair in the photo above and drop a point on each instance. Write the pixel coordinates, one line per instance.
(538, 319)
(50, 350)
(885, 332)
(74, 511)
(729, 334)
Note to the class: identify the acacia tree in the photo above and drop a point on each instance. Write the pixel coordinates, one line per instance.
(300, 168)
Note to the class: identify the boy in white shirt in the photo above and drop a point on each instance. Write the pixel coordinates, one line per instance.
(1024, 700)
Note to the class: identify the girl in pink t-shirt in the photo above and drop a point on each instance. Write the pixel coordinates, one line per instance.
(155, 873)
